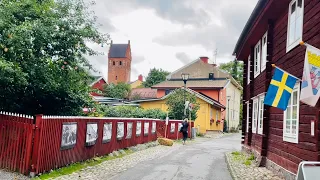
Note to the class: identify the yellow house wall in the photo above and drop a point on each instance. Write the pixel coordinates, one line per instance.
(135, 84)
(202, 122)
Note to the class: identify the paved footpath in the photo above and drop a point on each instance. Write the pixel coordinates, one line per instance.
(202, 160)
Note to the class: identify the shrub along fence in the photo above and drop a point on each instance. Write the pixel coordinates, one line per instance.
(41, 143)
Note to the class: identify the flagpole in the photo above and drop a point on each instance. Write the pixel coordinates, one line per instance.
(273, 65)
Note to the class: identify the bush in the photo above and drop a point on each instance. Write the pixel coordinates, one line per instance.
(127, 112)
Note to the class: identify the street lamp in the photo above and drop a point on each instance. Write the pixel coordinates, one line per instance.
(228, 98)
(185, 77)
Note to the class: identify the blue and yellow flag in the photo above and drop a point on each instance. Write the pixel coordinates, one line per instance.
(280, 89)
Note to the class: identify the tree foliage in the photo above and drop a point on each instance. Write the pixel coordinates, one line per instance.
(119, 91)
(127, 112)
(176, 104)
(42, 48)
(155, 76)
(234, 68)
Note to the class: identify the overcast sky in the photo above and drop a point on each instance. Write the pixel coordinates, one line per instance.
(168, 34)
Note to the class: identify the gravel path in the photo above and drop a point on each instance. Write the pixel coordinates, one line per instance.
(5, 175)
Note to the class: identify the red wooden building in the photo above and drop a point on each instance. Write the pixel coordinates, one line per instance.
(280, 140)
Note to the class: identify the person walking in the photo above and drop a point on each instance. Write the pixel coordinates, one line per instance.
(184, 130)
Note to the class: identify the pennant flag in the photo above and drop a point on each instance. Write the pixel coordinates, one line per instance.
(280, 89)
(310, 87)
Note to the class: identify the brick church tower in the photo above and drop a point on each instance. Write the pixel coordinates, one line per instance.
(119, 59)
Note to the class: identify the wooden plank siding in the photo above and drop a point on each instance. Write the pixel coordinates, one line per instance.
(289, 155)
(271, 144)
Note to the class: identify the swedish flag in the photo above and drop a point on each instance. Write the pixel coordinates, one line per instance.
(280, 89)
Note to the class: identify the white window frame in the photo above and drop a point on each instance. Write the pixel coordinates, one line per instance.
(255, 115)
(260, 114)
(292, 45)
(257, 59)
(290, 137)
(248, 116)
(264, 50)
(248, 71)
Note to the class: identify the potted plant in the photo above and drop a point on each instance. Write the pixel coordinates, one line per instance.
(218, 122)
(211, 121)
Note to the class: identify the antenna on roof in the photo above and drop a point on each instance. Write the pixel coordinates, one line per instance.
(215, 53)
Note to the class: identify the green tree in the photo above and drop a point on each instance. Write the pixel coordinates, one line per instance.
(234, 68)
(155, 76)
(176, 104)
(42, 63)
(120, 90)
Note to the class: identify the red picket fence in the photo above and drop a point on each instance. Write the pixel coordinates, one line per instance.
(30, 144)
(16, 133)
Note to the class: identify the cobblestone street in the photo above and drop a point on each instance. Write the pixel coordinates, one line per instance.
(108, 169)
(242, 169)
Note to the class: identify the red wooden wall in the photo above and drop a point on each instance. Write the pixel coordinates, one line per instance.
(288, 155)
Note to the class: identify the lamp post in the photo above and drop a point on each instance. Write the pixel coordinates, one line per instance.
(185, 77)
(228, 98)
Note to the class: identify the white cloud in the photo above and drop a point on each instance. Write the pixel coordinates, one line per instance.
(168, 33)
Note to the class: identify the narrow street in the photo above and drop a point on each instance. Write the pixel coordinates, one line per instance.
(200, 160)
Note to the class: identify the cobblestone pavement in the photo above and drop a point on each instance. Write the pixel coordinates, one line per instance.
(240, 171)
(5, 175)
(111, 168)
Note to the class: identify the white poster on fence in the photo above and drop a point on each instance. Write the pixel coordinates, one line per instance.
(107, 132)
(120, 130)
(146, 128)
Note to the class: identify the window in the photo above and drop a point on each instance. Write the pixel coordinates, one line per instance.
(257, 55)
(260, 117)
(248, 71)
(295, 23)
(264, 46)
(255, 115)
(120, 63)
(116, 77)
(291, 117)
(167, 91)
(217, 115)
(248, 111)
(114, 63)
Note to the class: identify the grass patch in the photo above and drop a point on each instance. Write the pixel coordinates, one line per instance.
(236, 153)
(247, 162)
(79, 165)
(243, 158)
(251, 157)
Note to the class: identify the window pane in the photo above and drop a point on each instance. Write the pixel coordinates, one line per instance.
(294, 112)
(289, 104)
(294, 127)
(294, 97)
(288, 124)
(293, 8)
(288, 115)
(300, 3)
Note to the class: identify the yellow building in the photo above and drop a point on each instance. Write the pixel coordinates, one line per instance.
(207, 115)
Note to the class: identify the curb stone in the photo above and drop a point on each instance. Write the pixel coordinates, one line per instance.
(232, 172)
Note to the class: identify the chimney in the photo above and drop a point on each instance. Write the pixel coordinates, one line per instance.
(140, 77)
(128, 41)
(204, 59)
